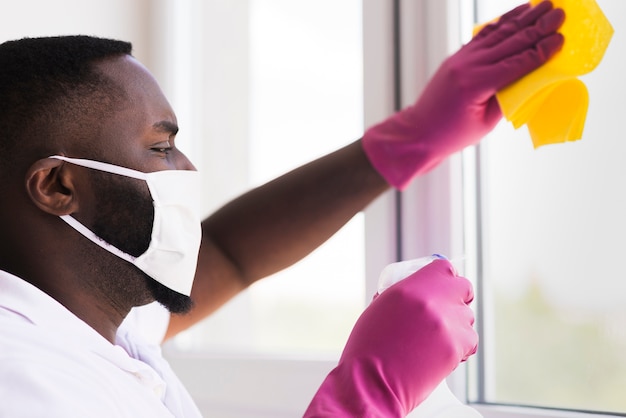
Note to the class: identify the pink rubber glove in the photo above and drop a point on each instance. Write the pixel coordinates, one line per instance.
(458, 105)
(405, 343)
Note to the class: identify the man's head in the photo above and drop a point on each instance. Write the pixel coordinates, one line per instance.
(82, 97)
(50, 93)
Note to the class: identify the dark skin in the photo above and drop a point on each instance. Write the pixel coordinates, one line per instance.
(292, 215)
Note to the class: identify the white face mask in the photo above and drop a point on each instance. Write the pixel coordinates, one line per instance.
(172, 256)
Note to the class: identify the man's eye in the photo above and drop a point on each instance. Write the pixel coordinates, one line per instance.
(162, 148)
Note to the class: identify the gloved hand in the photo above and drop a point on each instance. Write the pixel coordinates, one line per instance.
(405, 343)
(458, 105)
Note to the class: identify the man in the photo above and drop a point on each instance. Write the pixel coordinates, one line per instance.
(96, 219)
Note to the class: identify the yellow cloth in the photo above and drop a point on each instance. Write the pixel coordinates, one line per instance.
(551, 101)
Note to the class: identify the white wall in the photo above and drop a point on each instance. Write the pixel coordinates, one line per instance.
(120, 19)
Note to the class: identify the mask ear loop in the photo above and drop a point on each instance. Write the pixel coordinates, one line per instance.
(82, 229)
(87, 233)
(98, 165)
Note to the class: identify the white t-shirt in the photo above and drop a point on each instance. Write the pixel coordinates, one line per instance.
(53, 364)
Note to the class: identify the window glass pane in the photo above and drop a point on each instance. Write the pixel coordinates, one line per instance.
(305, 99)
(554, 228)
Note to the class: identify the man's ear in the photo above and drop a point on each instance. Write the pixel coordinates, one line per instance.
(50, 185)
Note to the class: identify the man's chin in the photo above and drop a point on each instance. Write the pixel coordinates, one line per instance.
(175, 302)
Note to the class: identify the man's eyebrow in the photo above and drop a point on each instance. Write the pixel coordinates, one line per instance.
(166, 127)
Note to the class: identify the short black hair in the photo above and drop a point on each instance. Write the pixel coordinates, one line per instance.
(49, 88)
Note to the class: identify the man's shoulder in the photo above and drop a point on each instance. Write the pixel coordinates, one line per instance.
(41, 378)
(47, 376)
(37, 350)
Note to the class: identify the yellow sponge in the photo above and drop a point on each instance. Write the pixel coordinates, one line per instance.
(551, 101)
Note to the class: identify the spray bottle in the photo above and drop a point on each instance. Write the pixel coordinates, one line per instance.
(441, 403)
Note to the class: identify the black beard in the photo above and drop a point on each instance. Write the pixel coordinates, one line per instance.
(125, 213)
(174, 302)
(125, 218)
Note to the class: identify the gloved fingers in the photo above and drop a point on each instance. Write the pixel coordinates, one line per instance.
(467, 290)
(473, 347)
(466, 333)
(442, 266)
(515, 12)
(462, 286)
(440, 277)
(459, 339)
(511, 69)
(505, 28)
(512, 14)
(525, 39)
(534, 14)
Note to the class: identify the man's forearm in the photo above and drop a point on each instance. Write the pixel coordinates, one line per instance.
(275, 225)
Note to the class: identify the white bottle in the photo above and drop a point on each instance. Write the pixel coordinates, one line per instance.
(441, 403)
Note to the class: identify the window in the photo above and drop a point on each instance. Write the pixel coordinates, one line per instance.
(278, 378)
(281, 83)
(303, 98)
(551, 228)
